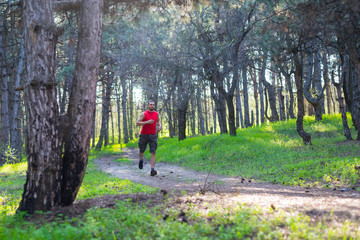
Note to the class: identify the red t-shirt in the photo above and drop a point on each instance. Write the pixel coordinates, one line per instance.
(149, 128)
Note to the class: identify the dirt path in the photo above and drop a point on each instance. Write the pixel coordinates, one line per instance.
(171, 178)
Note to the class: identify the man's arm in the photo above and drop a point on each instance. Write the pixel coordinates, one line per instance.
(140, 122)
(158, 125)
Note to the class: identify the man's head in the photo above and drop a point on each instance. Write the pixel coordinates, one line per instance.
(151, 105)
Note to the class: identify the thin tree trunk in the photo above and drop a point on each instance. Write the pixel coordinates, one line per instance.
(106, 94)
(93, 133)
(300, 101)
(261, 92)
(272, 100)
(4, 100)
(200, 112)
(220, 108)
(207, 118)
(315, 80)
(214, 116)
(340, 99)
(326, 80)
(246, 98)
(124, 96)
(15, 136)
(112, 125)
(281, 100)
(289, 88)
(256, 96)
(193, 117)
(117, 93)
(131, 110)
(182, 122)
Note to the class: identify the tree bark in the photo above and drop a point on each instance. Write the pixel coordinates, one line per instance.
(42, 189)
(82, 103)
(261, 92)
(246, 98)
(131, 109)
(15, 131)
(289, 88)
(4, 100)
(300, 101)
(340, 99)
(220, 108)
(256, 96)
(326, 80)
(117, 93)
(124, 103)
(313, 84)
(272, 100)
(104, 136)
(200, 112)
(193, 116)
(207, 110)
(239, 114)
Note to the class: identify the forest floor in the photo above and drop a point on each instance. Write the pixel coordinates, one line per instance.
(336, 205)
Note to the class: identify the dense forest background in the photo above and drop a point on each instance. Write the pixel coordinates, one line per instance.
(210, 66)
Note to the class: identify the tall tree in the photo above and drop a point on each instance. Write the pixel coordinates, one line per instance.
(53, 179)
(4, 100)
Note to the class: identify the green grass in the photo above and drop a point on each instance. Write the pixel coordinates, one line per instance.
(274, 153)
(133, 221)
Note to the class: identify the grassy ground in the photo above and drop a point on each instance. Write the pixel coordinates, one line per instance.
(272, 153)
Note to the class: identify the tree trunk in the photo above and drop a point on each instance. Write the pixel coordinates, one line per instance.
(82, 102)
(281, 105)
(93, 132)
(256, 96)
(192, 119)
(239, 115)
(106, 94)
(272, 100)
(246, 98)
(42, 189)
(200, 112)
(182, 121)
(289, 88)
(131, 110)
(261, 91)
(220, 108)
(117, 88)
(207, 117)
(4, 100)
(214, 115)
(340, 99)
(326, 80)
(15, 136)
(317, 100)
(300, 101)
(124, 96)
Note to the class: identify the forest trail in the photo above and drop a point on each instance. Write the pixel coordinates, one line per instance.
(315, 202)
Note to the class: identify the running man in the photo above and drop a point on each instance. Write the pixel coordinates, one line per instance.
(151, 125)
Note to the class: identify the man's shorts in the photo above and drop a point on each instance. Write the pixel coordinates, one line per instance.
(144, 139)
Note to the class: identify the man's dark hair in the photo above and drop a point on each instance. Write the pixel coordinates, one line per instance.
(149, 101)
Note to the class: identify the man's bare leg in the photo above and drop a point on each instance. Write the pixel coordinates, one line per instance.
(141, 162)
(153, 160)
